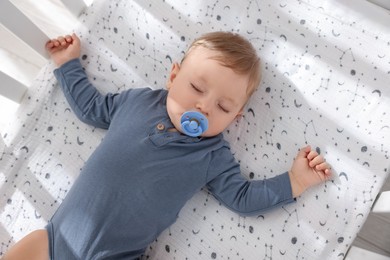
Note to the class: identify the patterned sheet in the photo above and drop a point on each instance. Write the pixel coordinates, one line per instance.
(326, 66)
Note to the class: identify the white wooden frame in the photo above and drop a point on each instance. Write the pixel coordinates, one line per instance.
(382, 3)
(382, 204)
(23, 28)
(11, 88)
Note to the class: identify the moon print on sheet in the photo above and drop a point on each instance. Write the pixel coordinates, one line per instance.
(335, 34)
(297, 105)
(233, 237)
(344, 174)
(25, 148)
(37, 215)
(284, 37)
(169, 58)
(112, 68)
(195, 232)
(250, 110)
(377, 91)
(78, 141)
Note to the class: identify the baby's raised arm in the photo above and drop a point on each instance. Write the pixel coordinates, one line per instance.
(63, 49)
(309, 169)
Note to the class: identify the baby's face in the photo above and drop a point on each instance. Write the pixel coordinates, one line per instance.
(202, 84)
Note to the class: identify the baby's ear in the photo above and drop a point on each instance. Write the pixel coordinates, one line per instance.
(239, 114)
(172, 75)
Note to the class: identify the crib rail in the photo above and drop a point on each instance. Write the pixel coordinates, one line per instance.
(382, 3)
(382, 204)
(11, 88)
(19, 24)
(23, 28)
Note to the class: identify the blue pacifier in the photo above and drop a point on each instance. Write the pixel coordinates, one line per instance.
(194, 123)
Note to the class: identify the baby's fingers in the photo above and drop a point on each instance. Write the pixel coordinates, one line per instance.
(312, 155)
(62, 40)
(328, 173)
(68, 38)
(322, 167)
(316, 160)
(53, 43)
(323, 170)
(49, 45)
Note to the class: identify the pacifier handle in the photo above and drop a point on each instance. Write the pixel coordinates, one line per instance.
(193, 123)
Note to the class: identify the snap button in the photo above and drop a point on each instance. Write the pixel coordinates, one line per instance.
(160, 127)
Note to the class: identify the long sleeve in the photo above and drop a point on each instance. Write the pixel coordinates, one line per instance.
(243, 196)
(85, 100)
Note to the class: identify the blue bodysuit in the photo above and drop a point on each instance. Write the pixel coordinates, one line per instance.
(135, 183)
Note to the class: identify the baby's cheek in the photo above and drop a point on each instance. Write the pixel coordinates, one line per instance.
(216, 128)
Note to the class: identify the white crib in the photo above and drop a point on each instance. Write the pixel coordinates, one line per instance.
(21, 26)
(15, 21)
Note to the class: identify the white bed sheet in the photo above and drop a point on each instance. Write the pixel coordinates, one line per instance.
(326, 66)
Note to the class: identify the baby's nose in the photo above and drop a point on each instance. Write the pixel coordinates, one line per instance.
(204, 107)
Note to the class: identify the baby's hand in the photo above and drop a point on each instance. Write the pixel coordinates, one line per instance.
(309, 169)
(64, 49)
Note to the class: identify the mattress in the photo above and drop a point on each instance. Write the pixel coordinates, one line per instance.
(325, 75)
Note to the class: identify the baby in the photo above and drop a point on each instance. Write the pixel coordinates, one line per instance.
(162, 146)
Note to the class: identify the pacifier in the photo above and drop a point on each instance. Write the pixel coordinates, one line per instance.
(194, 123)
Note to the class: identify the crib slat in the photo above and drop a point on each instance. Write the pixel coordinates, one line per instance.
(22, 27)
(356, 253)
(382, 3)
(382, 205)
(74, 6)
(16, 22)
(11, 88)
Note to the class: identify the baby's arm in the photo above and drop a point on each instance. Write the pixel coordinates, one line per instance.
(64, 49)
(86, 101)
(251, 198)
(309, 169)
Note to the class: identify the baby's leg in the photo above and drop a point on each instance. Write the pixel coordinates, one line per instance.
(34, 246)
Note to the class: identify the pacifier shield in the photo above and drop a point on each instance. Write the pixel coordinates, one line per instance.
(194, 123)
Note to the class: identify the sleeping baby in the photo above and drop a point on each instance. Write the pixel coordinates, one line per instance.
(161, 147)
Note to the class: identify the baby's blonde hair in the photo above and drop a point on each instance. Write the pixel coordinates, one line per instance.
(236, 53)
